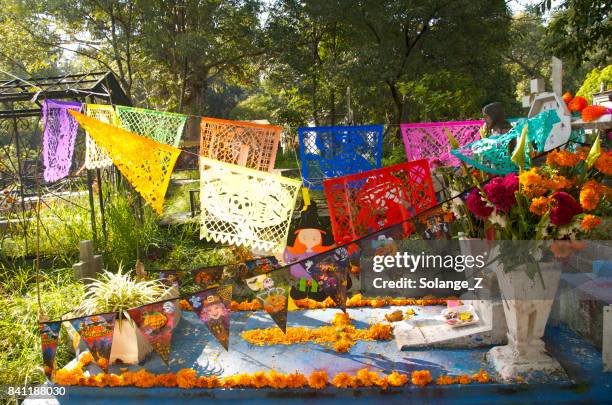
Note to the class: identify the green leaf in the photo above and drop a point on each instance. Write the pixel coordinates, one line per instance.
(594, 153)
(454, 143)
(518, 156)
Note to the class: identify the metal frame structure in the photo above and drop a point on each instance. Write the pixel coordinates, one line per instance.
(21, 100)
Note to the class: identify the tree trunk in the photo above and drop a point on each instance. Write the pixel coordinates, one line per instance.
(399, 105)
(195, 100)
(332, 106)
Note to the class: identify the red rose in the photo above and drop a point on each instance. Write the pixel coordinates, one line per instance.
(565, 209)
(477, 206)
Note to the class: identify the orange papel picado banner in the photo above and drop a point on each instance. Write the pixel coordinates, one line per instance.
(145, 163)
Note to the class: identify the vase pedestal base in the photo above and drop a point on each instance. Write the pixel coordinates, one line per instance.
(510, 363)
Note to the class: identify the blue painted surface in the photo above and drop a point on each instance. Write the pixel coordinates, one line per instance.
(194, 347)
(328, 152)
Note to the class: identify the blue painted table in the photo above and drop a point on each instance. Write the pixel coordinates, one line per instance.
(194, 347)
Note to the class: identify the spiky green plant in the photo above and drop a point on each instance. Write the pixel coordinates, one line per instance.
(117, 292)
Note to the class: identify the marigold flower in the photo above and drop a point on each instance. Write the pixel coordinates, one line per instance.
(577, 104)
(127, 378)
(540, 206)
(446, 380)
(143, 379)
(366, 378)
(563, 158)
(377, 303)
(593, 112)
(396, 379)
(589, 222)
(590, 195)
(115, 380)
(318, 379)
(533, 184)
(186, 378)
(341, 319)
(604, 163)
(277, 380)
(166, 380)
(421, 377)
(380, 331)
(464, 379)
(344, 380)
(230, 382)
(296, 380)
(259, 379)
(481, 376)
(101, 380)
(558, 182)
(244, 380)
(343, 346)
(202, 382)
(567, 97)
(68, 377)
(562, 249)
(85, 358)
(214, 382)
(103, 363)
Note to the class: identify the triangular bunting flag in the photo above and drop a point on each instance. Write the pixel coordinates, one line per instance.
(261, 265)
(170, 278)
(97, 333)
(59, 135)
(272, 290)
(213, 307)
(96, 158)
(307, 238)
(160, 126)
(146, 164)
(330, 272)
(49, 334)
(208, 277)
(157, 321)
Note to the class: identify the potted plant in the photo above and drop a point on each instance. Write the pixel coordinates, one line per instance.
(118, 292)
(550, 206)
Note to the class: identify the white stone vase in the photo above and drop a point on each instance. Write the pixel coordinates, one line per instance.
(527, 304)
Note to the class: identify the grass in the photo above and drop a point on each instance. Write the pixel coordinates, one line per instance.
(20, 352)
(177, 198)
(64, 225)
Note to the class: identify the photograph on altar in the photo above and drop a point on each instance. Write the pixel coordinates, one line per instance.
(287, 202)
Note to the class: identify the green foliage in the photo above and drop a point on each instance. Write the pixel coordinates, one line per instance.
(527, 57)
(20, 353)
(443, 96)
(593, 81)
(580, 31)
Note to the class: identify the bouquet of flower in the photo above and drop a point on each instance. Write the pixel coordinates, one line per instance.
(563, 199)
